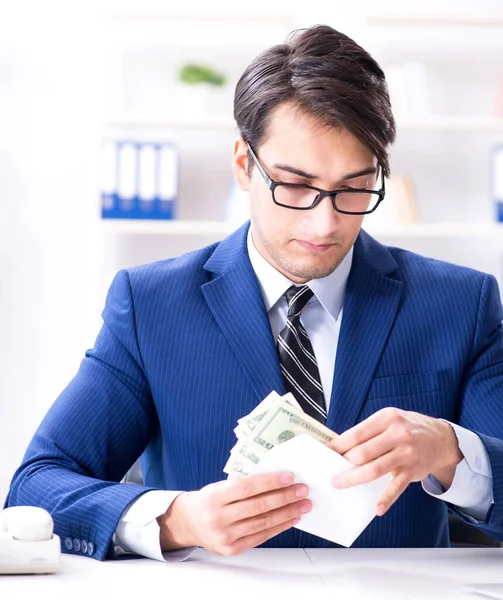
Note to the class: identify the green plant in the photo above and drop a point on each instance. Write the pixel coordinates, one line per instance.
(192, 74)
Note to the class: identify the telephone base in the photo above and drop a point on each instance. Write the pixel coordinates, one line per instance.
(19, 557)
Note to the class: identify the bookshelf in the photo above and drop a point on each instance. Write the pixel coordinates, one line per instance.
(446, 150)
(177, 227)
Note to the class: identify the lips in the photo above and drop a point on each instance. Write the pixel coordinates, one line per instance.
(315, 247)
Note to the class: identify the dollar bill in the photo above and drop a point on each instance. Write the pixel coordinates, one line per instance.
(282, 421)
(248, 424)
(235, 468)
(244, 456)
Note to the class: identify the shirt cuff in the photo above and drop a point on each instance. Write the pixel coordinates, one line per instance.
(138, 531)
(472, 487)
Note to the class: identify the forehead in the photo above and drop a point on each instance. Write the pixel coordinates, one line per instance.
(297, 138)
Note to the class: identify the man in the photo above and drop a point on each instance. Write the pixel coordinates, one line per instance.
(401, 355)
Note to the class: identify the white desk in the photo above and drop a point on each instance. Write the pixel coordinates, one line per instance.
(341, 574)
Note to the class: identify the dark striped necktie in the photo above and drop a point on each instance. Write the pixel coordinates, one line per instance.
(296, 356)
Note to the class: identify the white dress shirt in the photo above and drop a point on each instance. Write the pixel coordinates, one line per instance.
(471, 489)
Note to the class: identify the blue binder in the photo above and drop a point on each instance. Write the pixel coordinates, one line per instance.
(497, 180)
(140, 180)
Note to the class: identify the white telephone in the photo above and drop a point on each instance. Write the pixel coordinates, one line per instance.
(27, 542)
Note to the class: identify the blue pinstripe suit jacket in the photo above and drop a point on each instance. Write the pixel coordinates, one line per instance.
(186, 349)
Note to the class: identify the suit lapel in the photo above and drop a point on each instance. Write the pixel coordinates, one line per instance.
(372, 300)
(370, 306)
(235, 300)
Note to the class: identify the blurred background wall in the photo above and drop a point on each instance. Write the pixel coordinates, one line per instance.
(74, 74)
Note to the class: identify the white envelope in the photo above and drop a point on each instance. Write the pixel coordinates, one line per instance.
(337, 515)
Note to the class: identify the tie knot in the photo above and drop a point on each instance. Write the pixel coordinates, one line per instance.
(297, 297)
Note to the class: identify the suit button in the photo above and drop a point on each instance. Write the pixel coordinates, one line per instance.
(76, 544)
(83, 547)
(68, 543)
(90, 548)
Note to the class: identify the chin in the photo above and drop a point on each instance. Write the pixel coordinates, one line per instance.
(310, 271)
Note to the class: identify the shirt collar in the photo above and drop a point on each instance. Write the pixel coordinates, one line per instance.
(328, 290)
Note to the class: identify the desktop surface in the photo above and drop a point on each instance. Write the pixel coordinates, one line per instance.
(353, 574)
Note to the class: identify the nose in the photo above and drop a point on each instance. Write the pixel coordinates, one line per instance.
(324, 218)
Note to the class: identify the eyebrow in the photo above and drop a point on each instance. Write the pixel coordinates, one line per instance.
(294, 171)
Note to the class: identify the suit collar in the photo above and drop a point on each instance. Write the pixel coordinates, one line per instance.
(228, 251)
(374, 254)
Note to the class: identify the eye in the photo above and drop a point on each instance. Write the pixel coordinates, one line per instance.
(293, 182)
(363, 183)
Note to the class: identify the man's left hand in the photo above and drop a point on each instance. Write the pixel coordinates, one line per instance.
(406, 444)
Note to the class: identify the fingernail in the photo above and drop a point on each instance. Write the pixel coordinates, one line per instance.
(305, 507)
(286, 478)
(380, 510)
(336, 482)
(302, 491)
(295, 521)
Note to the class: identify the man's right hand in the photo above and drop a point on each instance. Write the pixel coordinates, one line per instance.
(232, 516)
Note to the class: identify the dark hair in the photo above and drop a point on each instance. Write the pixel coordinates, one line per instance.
(326, 74)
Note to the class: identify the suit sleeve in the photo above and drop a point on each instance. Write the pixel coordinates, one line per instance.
(92, 435)
(482, 398)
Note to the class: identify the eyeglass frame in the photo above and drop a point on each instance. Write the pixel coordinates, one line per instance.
(272, 185)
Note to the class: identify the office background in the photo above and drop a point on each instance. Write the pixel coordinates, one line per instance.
(74, 74)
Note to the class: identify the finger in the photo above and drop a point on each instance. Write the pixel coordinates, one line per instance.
(264, 503)
(253, 485)
(254, 540)
(369, 472)
(267, 521)
(372, 449)
(361, 433)
(391, 494)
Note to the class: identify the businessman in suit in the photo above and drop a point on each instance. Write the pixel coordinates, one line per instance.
(400, 354)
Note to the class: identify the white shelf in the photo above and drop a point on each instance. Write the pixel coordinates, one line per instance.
(169, 227)
(465, 231)
(222, 228)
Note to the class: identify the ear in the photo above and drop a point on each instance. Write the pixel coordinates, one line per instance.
(240, 164)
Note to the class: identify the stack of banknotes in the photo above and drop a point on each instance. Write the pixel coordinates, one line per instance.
(275, 420)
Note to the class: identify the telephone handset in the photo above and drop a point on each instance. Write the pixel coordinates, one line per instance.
(27, 542)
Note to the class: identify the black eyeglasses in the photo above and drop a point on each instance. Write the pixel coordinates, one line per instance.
(305, 197)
